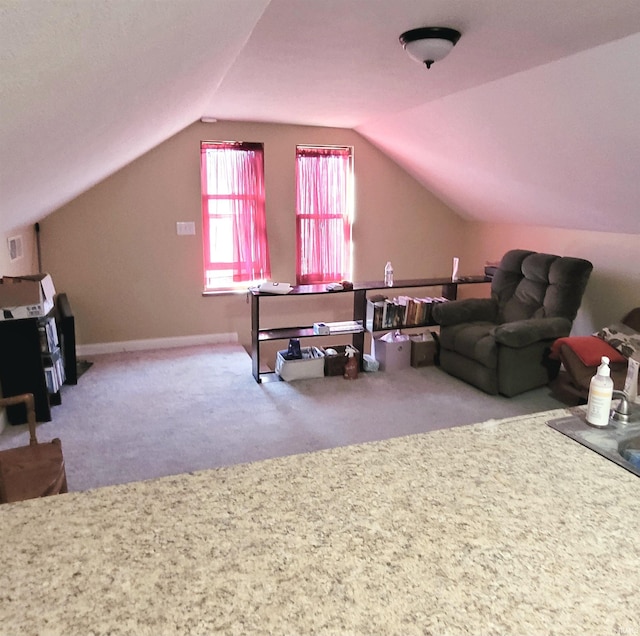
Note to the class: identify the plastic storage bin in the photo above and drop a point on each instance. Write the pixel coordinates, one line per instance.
(311, 365)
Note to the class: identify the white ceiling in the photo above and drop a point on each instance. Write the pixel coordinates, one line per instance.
(533, 118)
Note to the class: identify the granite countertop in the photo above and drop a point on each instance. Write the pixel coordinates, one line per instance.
(505, 527)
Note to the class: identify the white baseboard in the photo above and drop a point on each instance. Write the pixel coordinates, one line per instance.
(155, 343)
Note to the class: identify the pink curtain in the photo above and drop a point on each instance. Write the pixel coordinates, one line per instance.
(323, 215)
(235, 230)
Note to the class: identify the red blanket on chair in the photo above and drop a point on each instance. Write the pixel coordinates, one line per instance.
(589, 349)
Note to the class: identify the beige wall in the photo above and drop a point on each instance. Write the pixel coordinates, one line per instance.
(115, 251)
(614, 285)
(28, 264)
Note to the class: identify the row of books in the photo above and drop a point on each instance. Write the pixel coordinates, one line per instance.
(54, 370)
(401, 311)
(48, 335)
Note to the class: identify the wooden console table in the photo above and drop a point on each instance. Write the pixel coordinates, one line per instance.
(449, 290)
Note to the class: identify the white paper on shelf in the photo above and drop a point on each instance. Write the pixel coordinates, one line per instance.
(346, 325)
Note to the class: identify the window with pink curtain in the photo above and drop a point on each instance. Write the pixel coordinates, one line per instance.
(323, 214)
(236, 252)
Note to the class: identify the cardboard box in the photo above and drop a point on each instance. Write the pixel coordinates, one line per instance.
(393, 352)
(26, 296)
(311, 365)
(423, 350)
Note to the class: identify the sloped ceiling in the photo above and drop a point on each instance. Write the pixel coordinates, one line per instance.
(558, 145)
(533, 118)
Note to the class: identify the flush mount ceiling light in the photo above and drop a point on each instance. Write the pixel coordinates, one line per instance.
(429, 44)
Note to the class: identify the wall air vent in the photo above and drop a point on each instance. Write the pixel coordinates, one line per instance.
(14, 243)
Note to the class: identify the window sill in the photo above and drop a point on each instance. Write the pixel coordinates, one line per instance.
(225, 292)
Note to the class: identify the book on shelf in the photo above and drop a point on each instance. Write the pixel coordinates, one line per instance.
(48, 335)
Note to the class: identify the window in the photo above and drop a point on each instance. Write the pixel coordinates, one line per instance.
(236, 252)
(324, 177)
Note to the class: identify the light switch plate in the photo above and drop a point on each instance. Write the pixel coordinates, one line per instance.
(185, 228)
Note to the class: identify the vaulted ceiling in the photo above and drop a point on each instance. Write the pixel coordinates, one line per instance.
(533, 118)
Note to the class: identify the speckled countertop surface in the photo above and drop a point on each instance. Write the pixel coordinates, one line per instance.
(499, 528)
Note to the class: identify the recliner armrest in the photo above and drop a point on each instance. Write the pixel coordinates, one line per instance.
(455, 312)
(521, 333)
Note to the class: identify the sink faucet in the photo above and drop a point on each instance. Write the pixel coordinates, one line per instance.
(621, 412)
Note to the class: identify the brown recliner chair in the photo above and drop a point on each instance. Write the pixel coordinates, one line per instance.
(501, 344)
(32, 471)
(580, 357)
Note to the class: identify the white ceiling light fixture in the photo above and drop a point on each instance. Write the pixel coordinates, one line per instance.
(429, 44)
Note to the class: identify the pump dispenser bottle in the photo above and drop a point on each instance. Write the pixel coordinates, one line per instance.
(600, 394)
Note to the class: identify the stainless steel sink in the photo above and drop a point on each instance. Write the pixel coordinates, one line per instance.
(618, 443)
(629, 449)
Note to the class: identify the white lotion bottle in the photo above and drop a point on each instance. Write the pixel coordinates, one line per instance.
(600, 394)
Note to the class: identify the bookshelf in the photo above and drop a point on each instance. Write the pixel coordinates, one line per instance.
(261, 334)
(31, 361)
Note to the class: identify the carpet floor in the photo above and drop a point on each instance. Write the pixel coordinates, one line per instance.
(147, 414)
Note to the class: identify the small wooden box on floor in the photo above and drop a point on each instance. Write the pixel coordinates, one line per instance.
(423, 351)
(334, 365)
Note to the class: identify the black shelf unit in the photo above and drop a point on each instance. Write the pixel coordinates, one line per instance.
(449, 290)
(27, 354)
(22, 368)
(66, 324)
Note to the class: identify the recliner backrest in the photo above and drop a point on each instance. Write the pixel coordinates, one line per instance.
(508, 276)
(536, 285)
